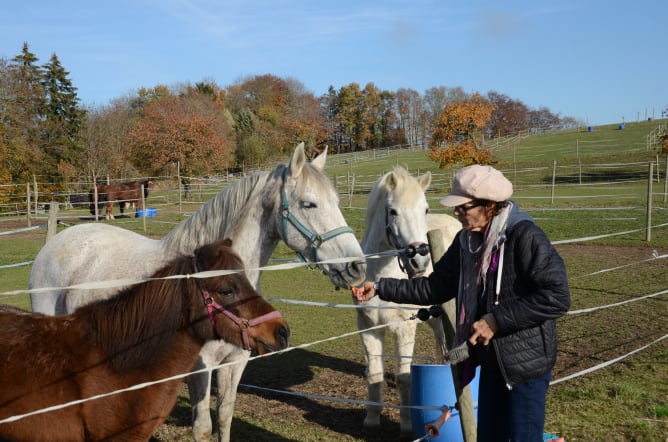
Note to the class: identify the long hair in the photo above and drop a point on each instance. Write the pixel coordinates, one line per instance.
(134, 327)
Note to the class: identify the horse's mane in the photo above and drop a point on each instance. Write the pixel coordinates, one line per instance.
(377, 200)
(217, 218)
(213, 220)
(134, 327)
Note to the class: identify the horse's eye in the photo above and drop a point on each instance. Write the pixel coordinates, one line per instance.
(427, 211)
(393, 212)
(226, 292)
(309, 205)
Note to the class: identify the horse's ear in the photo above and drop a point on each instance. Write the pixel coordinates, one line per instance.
(425, 180)
(391, 181)
(319, 161)
(298, 160)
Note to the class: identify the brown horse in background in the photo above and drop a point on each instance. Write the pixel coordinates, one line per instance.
(123, 193)
(148, 332)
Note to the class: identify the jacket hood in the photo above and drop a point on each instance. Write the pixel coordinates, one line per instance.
(517, 215)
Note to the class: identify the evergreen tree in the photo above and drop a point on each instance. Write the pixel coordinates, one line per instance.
(62, 122)
(21, 114)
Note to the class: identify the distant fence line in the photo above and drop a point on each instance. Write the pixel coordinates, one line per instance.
(547, 177)
(655, 137)
(32, 198)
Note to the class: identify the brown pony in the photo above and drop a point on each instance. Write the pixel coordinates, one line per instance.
(123, 193)
(148, 332)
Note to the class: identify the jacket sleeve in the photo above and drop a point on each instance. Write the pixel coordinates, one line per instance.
(438, 287)
(540, 283)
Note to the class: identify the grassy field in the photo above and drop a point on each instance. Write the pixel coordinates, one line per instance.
(600, 191)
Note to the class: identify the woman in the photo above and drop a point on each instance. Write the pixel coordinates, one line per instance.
(511, 286)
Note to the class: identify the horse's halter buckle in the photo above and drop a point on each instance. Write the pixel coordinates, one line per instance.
(314, 240)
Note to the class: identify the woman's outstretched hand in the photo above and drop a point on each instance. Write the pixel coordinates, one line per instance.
(364, 292)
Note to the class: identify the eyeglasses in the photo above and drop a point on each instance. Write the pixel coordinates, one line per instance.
(464, 209)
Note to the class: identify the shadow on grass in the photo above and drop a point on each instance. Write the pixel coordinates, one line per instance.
(295, 368)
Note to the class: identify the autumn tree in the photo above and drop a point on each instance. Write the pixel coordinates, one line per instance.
(107, 128)
(271, 116)
(457, 136)
(378, 117)
(411, 113)
(542, 119)
(361, 118)
(434, 101)
(348, 117)
(508, 118)
(189, 129)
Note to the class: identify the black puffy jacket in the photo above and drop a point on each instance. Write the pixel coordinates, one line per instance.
(534, 292)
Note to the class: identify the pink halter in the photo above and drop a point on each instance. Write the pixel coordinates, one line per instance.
(244, 324)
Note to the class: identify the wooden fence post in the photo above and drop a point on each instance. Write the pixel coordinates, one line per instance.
(464, 398)
(665, 182)
(178, 178)
(554, 177)
(650, 178)
(143, 207)
(28, 204)
(52, 223)
(95, 197)
(35, 193)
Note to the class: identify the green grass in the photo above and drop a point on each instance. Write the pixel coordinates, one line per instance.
(623, 402)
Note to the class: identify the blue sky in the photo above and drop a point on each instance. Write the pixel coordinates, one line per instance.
(597, 61)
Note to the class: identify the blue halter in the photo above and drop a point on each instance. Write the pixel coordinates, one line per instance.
(314, 240)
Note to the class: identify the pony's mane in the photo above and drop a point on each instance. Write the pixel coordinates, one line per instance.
(214, 219)
(134, 327)
(378, 197)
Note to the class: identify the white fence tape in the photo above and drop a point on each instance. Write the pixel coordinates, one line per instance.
(292, 265)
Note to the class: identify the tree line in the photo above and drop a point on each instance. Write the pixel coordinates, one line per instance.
(207, 129)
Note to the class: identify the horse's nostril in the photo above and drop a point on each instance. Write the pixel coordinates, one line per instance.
(283, 335)
(357, 268)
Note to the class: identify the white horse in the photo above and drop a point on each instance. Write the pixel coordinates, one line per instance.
(296, 203)
(397, 220)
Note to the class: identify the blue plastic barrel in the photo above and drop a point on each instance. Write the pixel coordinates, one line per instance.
(431, 385)
(590, 128)
(150, 212)
(621, 127)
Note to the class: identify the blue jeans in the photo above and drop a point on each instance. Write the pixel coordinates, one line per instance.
(516, 415)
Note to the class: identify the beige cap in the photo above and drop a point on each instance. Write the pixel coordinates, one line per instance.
(478, 183)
